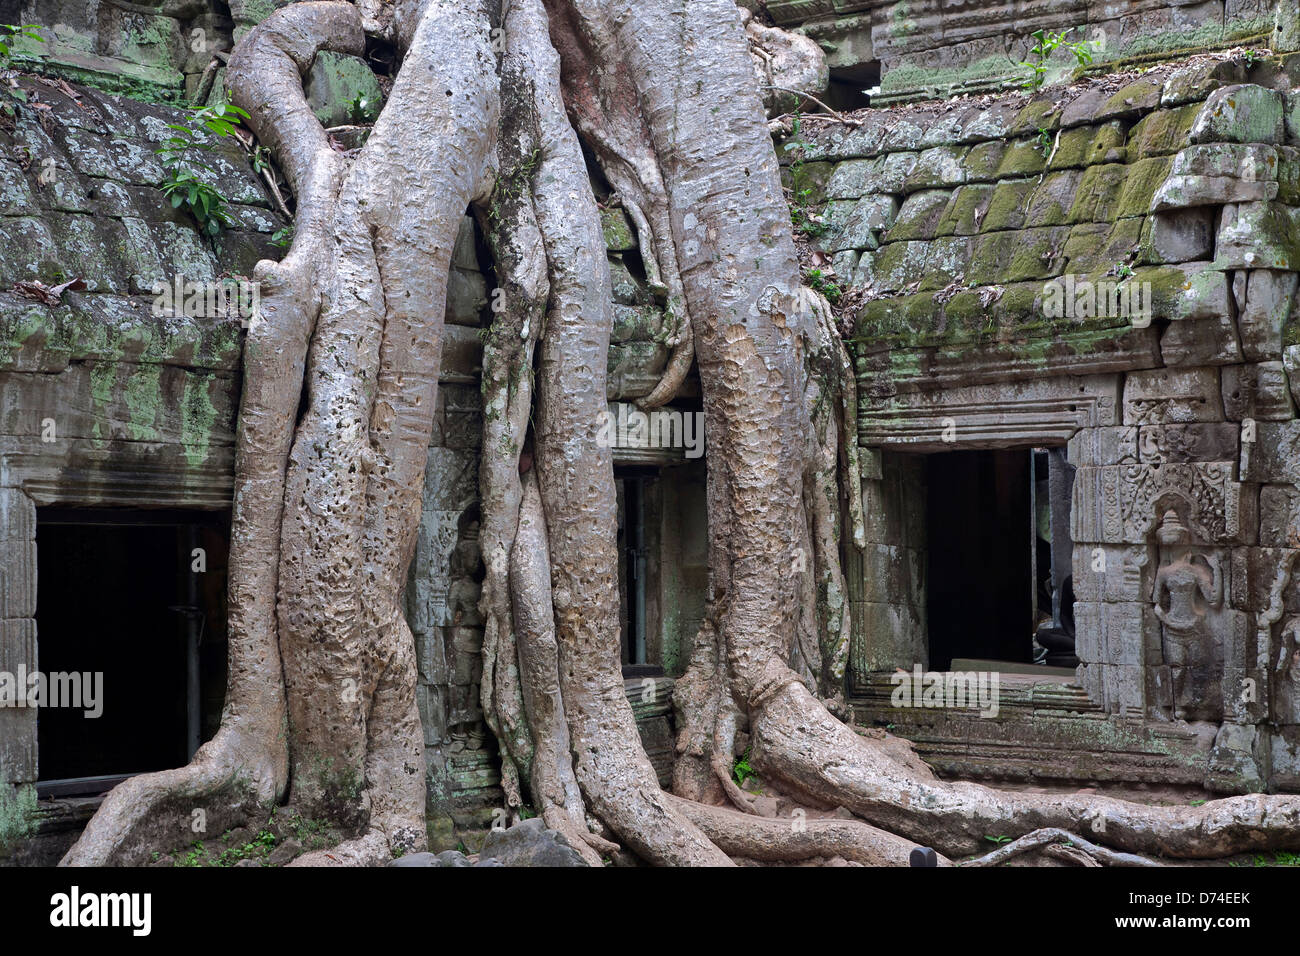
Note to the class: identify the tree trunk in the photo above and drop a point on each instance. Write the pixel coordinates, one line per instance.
(486, 113)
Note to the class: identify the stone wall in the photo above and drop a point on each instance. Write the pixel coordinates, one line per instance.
(151, 49)
(960, 230)
(915, 49)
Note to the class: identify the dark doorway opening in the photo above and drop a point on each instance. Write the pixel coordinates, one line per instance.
(632, 561)
(139, 598)
(981, 544)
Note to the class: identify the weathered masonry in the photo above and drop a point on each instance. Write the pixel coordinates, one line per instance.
(1076, 360)
(1074, 323)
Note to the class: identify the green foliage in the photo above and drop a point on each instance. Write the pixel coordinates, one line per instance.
(9, 33)
(741, 770)
(17, 813)
(178, 153)
(282, 238)
(999, 840)
(820, 282)
(1045, 44)
(15, 93)
(1044, 142)
(803, 217)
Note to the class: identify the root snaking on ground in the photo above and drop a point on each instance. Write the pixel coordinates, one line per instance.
(490, 110)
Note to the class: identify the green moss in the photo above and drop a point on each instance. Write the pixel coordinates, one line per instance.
(1143, 179)
(1008, 204)
(1098, 193)
(1038, 114)
(18, 810)
(984, 161)
(919, 216)
(1022, 158)
(1161, 132)
(965, 211)
(1086, 145)
(198, 418)
(142, 395)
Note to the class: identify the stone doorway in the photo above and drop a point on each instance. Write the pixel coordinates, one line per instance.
(998, 550)
(133, 604)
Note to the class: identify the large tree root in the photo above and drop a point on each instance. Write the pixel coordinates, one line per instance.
(321, 702)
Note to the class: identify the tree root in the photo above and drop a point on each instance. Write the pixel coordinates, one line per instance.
(1051, 838)
(788, 841)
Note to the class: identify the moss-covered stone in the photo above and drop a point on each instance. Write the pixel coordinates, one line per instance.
(1051, 202)
(983, 161)
(1098, 192)
(919, 216)
(1140, 184)
(617, 230)
(896, 266)
(1194, 82)
(1040, 114)
(1101, 245)
(1023, 157)
(1086, 145)
(946, 263)
(1140, 96)
(1246, 113)
(1008, 205)
(1258, 235)
(1161, 132)
(966, 210)
(342, 90)
(868, 221)
(808, 181)
(938, 167)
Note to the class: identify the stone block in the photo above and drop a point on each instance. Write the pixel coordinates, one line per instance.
(1264, 300)
(1114, 445)
(870, 219)
(1204, 441)
(1275, 455)
(1279, 516)
(1260, 392)
(1258, 235)
(1185, 235)
(1245, 113)
(1172, 396)
(342, 90)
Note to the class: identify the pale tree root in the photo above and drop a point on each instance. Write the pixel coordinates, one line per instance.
(1053, 838)
(790, 840)
(574, 477)
(236, 777)
(325, 513)
(882, 781)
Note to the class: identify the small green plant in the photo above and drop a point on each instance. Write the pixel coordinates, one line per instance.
(361, 111)
(16, 94)
(182, 186)
(741, 770)
(282, 238)
(999, 840)
(8, 33)
(1045, 44)
(818, 281)
(1044, 141)
(803, 217)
